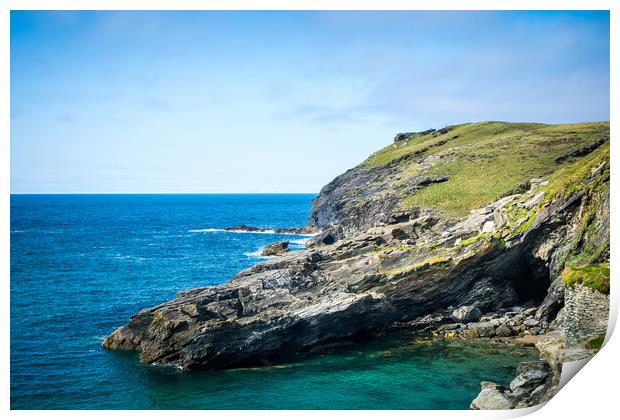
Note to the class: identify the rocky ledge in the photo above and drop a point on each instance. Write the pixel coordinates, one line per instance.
(436, 232)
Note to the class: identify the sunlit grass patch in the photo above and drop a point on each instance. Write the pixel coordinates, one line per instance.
(595, 276)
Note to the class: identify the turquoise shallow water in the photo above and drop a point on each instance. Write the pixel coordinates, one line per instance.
(81, 265)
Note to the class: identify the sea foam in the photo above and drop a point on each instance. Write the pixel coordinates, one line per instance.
(256, 254)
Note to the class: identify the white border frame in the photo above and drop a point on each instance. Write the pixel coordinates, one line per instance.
(590, 396)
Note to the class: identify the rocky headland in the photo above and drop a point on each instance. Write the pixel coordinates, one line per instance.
(491, 229)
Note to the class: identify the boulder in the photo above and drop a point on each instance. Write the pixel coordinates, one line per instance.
(276, 248)
(528, 380)
(482, 329)
(466, 314)
(503, 331)
(491, 398)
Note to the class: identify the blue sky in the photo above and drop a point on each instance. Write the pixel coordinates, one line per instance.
(276, 101)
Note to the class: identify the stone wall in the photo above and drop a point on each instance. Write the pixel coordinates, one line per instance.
(586, 314)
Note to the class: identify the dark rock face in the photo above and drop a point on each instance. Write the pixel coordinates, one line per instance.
(276, 248)
(348, 205)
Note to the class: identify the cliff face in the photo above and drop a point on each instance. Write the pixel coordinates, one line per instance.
(488, 215)
(448, 172)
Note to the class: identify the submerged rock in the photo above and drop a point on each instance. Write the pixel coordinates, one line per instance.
(244, 228)
(293, 231)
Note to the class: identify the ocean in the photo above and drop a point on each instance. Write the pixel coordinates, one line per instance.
(81, 265)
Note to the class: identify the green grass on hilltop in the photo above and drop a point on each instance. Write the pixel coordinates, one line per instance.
(484, 161)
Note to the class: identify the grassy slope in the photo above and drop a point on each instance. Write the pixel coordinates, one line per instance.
(484, 161)
(508, 154)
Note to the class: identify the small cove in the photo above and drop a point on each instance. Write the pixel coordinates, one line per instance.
(81, 265)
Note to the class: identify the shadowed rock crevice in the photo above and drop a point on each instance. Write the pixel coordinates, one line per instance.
(530, 279)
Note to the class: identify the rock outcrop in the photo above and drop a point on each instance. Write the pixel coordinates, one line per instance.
(526, 389)
(398, 248)
(466, 314)
(276, 248)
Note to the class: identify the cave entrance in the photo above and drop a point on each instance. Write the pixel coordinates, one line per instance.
(328, 240)
(530, 279)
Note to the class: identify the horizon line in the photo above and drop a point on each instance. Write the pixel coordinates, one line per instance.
(155, 193)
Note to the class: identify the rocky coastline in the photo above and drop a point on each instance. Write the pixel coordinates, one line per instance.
(412, 239)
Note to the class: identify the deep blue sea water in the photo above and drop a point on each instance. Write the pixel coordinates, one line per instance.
(81, 265)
